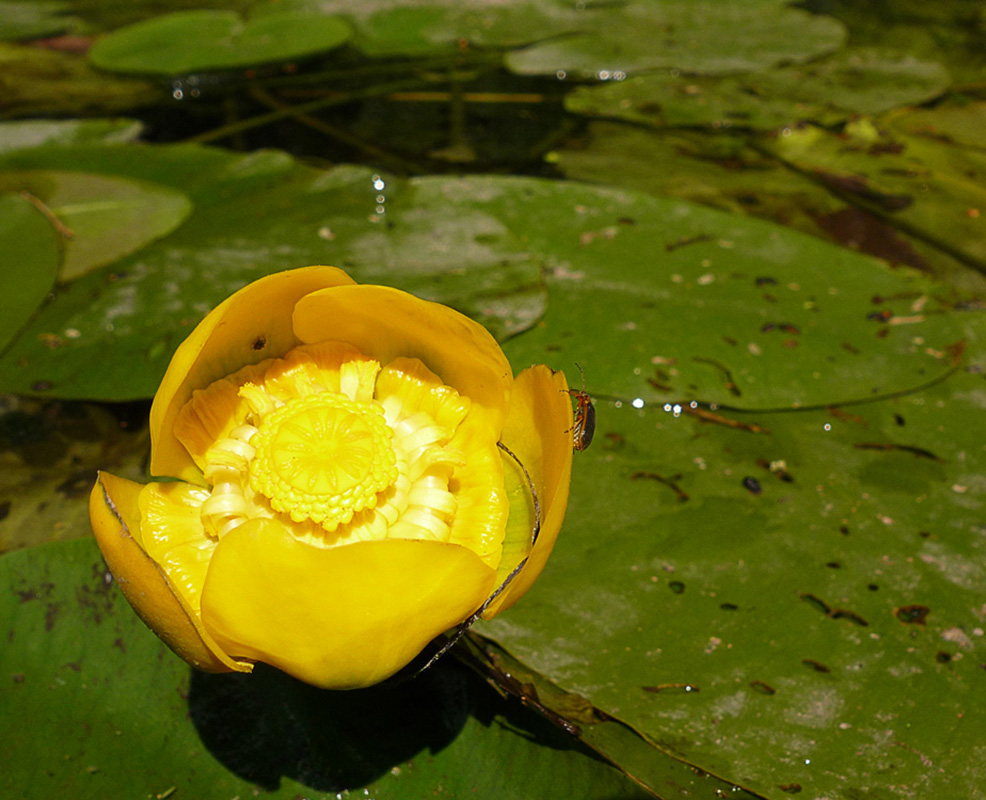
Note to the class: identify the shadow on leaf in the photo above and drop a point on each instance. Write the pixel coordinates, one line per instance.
(267, 725)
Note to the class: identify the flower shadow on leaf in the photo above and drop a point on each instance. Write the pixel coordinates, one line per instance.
(269, 725)
(266, 726)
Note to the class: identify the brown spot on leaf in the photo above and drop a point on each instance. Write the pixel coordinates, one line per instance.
(912, 614)
(859, 230)
(52, 611)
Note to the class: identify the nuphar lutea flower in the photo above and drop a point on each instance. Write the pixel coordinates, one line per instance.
(350, 472)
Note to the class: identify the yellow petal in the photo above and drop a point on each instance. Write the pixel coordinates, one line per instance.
(483, 504)
(337, 618)
(246, 328)
(172, 534)
(386, 323)
(115, 516)
(538, 432)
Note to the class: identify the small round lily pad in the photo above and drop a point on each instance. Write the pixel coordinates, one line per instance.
(192, 41)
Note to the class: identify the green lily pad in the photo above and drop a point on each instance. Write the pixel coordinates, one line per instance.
(733, 174)
(433, 28)
(439, 27)
(206, 39)
(756, 592)
(654, 767)
(775, 296)
(587, 38)
(29, 261)
(932, 191)
(956, 122)
(950, 31)
(102, 218)
(795, 616)
(253, 215)
(133, 720)
(685, 35)
(705, 261)
(826, 92)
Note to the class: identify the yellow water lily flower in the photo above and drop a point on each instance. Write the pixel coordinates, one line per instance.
(340, 494)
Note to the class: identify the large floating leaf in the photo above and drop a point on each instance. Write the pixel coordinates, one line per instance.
(684, 260)
(204, 39)
(797, 321)
(829, 628)
(117, 715)
(583, 38)
(654, 766)
(959, 122)
(932, 191)
(709, 37)
(826, 91)
(253, 215)
(792, 601)
(949, 31)
(431, 28)
(733, 173)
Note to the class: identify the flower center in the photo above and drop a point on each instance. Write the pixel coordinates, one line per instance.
(323, 458)
(343, 450)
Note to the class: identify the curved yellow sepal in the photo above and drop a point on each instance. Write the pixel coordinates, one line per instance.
(115, 518)
(386, 323)
(538, 431)
(338, 618)
(249, 326)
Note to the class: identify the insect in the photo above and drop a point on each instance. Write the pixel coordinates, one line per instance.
(585, 416)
